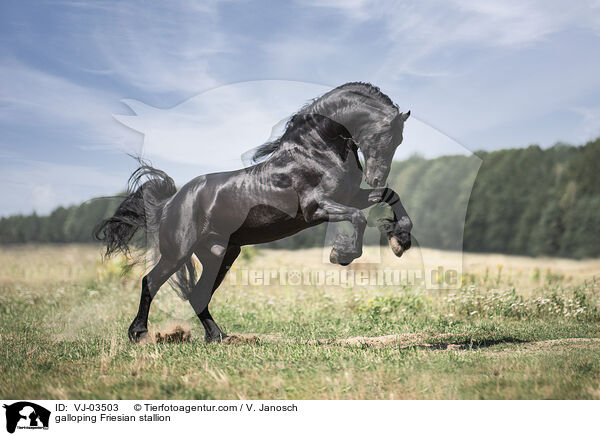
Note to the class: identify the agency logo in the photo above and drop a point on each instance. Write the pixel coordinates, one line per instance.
(26, 415)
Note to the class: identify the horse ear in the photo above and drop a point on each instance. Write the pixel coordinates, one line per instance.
(405, 116)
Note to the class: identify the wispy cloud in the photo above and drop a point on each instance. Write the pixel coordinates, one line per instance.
(162, 48)
(35, 98)
(415, 32)
(499, 22)
(491, 74)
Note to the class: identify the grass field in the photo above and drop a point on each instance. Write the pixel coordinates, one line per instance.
(518, 328)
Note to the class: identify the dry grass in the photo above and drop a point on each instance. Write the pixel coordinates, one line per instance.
(64, 315)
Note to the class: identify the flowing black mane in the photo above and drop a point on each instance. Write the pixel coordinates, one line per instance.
(342, 100)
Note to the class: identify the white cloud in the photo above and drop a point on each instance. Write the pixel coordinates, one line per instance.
(161, 48)
(415, 32)
(358, 9)
(498, 22)
(520, 22)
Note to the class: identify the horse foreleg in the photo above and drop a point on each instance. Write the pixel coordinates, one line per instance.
(398, 229)
(345, 249)
(215, 265)
(151, 283)
(368, 197)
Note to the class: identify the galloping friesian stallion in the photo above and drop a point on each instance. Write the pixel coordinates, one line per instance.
(310, 175)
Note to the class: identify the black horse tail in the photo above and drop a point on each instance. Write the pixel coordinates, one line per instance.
(141, 208)
(185, 279)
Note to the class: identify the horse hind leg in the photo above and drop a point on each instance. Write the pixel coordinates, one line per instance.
(151, 283)
(215, 265)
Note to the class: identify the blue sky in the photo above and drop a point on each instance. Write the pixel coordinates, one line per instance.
(489, 75)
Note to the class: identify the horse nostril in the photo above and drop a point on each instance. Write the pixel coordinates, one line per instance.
(375, 182)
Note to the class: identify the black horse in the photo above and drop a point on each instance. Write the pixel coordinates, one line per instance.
(310, 175)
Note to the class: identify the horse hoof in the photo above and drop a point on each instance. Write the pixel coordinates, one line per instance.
(396, 246)
(217, 338)
(341, 258)
(135, 336)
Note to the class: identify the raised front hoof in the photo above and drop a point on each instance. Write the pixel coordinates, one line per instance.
(396, 247)
(222, 337)
(342, 258)
(136, 335)
(399, 244)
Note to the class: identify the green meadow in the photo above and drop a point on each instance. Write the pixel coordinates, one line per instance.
(515, 328)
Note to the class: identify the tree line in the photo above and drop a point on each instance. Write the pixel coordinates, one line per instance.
(517, 201)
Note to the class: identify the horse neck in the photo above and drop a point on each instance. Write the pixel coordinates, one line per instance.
(356, 118)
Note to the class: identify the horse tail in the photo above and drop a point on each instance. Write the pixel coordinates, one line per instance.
(185, 279)
(141, 208)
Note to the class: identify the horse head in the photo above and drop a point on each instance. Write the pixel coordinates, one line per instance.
(373, 120)
(378, 143)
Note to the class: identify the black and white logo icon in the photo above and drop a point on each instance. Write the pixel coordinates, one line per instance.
(26, 415)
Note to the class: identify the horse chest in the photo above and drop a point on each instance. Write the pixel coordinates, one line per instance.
(346, 186)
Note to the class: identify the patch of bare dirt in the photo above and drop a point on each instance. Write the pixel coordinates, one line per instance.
(440, 342)
(241, 338)
(408, 340)
(170, 333)
(537, 346)
(404, 340)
